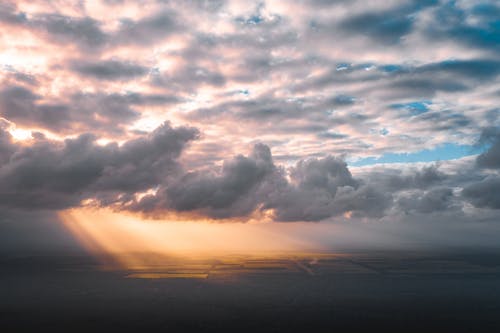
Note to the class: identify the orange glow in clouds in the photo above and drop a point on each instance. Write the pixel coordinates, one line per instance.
(126, 241)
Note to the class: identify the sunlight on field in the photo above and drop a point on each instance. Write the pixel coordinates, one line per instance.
(124, 241)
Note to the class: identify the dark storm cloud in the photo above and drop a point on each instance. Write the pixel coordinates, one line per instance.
(188, 79)
(322, 188)
(403, 81)
(443, 120)
(484, 194)
(397, 180)
(78, 112)
(434, 200)
(51, 175)
(256, 40)
(491, 157)
(479, 69)
(419, 87)
(147, 30)
(85, 31)
(317, 189)
(328, 174)
(147, 99)
(114, 108)
(450, 76)
(387, 26)
(232, 193)
(342, 100)
(22, 106)
(384, 27)
(109, 69)
(451, 23)
(55, 175)
(264, 109)
(6, 146)
(332, 135)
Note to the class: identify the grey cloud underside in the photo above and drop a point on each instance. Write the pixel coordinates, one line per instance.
(58, 175)
(437, 199)
(490, 158)
(317, 189)
(86, 32)
(384, 84)
(481, 31)
(109, 69)
(486, 193)
(148, 30)
(79, 112)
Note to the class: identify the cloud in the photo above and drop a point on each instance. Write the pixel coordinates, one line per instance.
(232, 192)
(480, 30)
(144, 175)
(57, 175)
(109, 69)
(147, 30)
(397, 179)
(485, 193)
(189, 78)
(317, 189)
(80, 112)
(434, 200)
(387, 27)
(9, 15)
(84, 31)
(491, 157)
(22, 106)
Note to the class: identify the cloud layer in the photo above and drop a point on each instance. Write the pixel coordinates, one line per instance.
(264, 107)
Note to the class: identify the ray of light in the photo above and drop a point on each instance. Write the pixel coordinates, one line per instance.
(125, 241)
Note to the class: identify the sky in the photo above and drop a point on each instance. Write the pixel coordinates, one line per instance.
(352, 115)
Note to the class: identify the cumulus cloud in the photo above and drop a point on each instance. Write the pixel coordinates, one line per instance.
(56, 175)
(316, 189)
(434, 200)
(491, 157)
(145, 175)
(486, 192)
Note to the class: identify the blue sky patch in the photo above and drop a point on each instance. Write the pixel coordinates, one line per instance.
(414, 108)
(447, 151)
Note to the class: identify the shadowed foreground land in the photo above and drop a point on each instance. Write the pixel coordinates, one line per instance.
(388, 292)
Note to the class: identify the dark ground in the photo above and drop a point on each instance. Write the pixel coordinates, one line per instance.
(376, 292)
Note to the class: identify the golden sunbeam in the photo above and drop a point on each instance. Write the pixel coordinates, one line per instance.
(126, 241)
